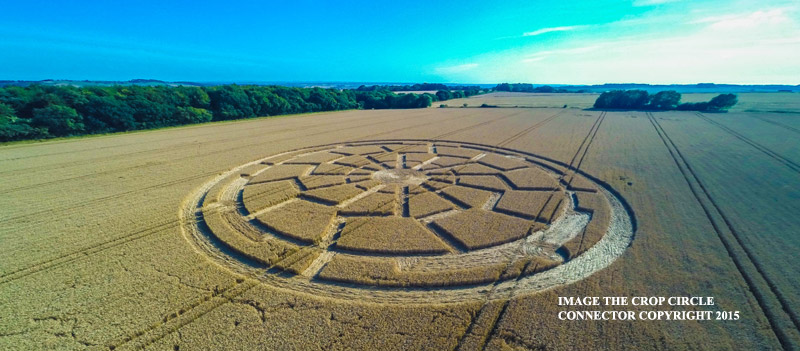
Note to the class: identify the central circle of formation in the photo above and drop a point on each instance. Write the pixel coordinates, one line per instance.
(407, 220)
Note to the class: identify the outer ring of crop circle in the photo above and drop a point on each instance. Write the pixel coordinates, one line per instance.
(613, 244)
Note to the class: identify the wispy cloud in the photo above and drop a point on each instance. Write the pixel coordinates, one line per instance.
(456, 68)
(745, 46)
(541, 55)
(755, 19)
(550, 30)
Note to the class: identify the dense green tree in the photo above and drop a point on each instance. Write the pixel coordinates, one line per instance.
(623, 99)
(443, 95)
(190, 115)
(59, 120)
(693, 106)
(665, 100)
(722, 102)
(106, 113)
(230, 102)
(15, 128)
(503, 87)
(38, 111)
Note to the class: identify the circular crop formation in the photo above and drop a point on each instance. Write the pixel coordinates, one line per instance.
(408, 220)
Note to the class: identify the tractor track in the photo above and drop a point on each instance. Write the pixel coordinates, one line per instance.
(772, 154)
(787, 127)
(156, 151)
(246, 146)
(486, 336)
(700, 192)
(85, 252)
(172, 148)
(105, 198)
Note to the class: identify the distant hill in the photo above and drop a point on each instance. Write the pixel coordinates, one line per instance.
(685, 88)
(681, 88)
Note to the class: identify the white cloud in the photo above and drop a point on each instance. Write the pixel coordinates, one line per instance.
(757, 47)
(755, 19)
(551, 29)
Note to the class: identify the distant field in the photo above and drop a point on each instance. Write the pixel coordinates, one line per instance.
(96, 252)
(505, 99)
(417, 92)
(755, 102)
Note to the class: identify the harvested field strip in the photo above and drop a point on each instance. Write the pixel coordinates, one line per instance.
(86, 252)
(777, 157)
(777, 319)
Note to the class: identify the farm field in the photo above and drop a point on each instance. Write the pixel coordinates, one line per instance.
(155, 240)
(748, 102)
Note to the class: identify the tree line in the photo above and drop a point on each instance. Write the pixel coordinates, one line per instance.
(40, 111)
(417, 87)
(663, 100)
(529, 88)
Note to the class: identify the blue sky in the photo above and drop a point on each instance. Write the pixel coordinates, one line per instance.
(470, 41)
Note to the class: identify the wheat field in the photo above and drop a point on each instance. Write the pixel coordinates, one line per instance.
(95, 254)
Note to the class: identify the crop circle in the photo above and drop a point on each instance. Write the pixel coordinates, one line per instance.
(408, 221)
